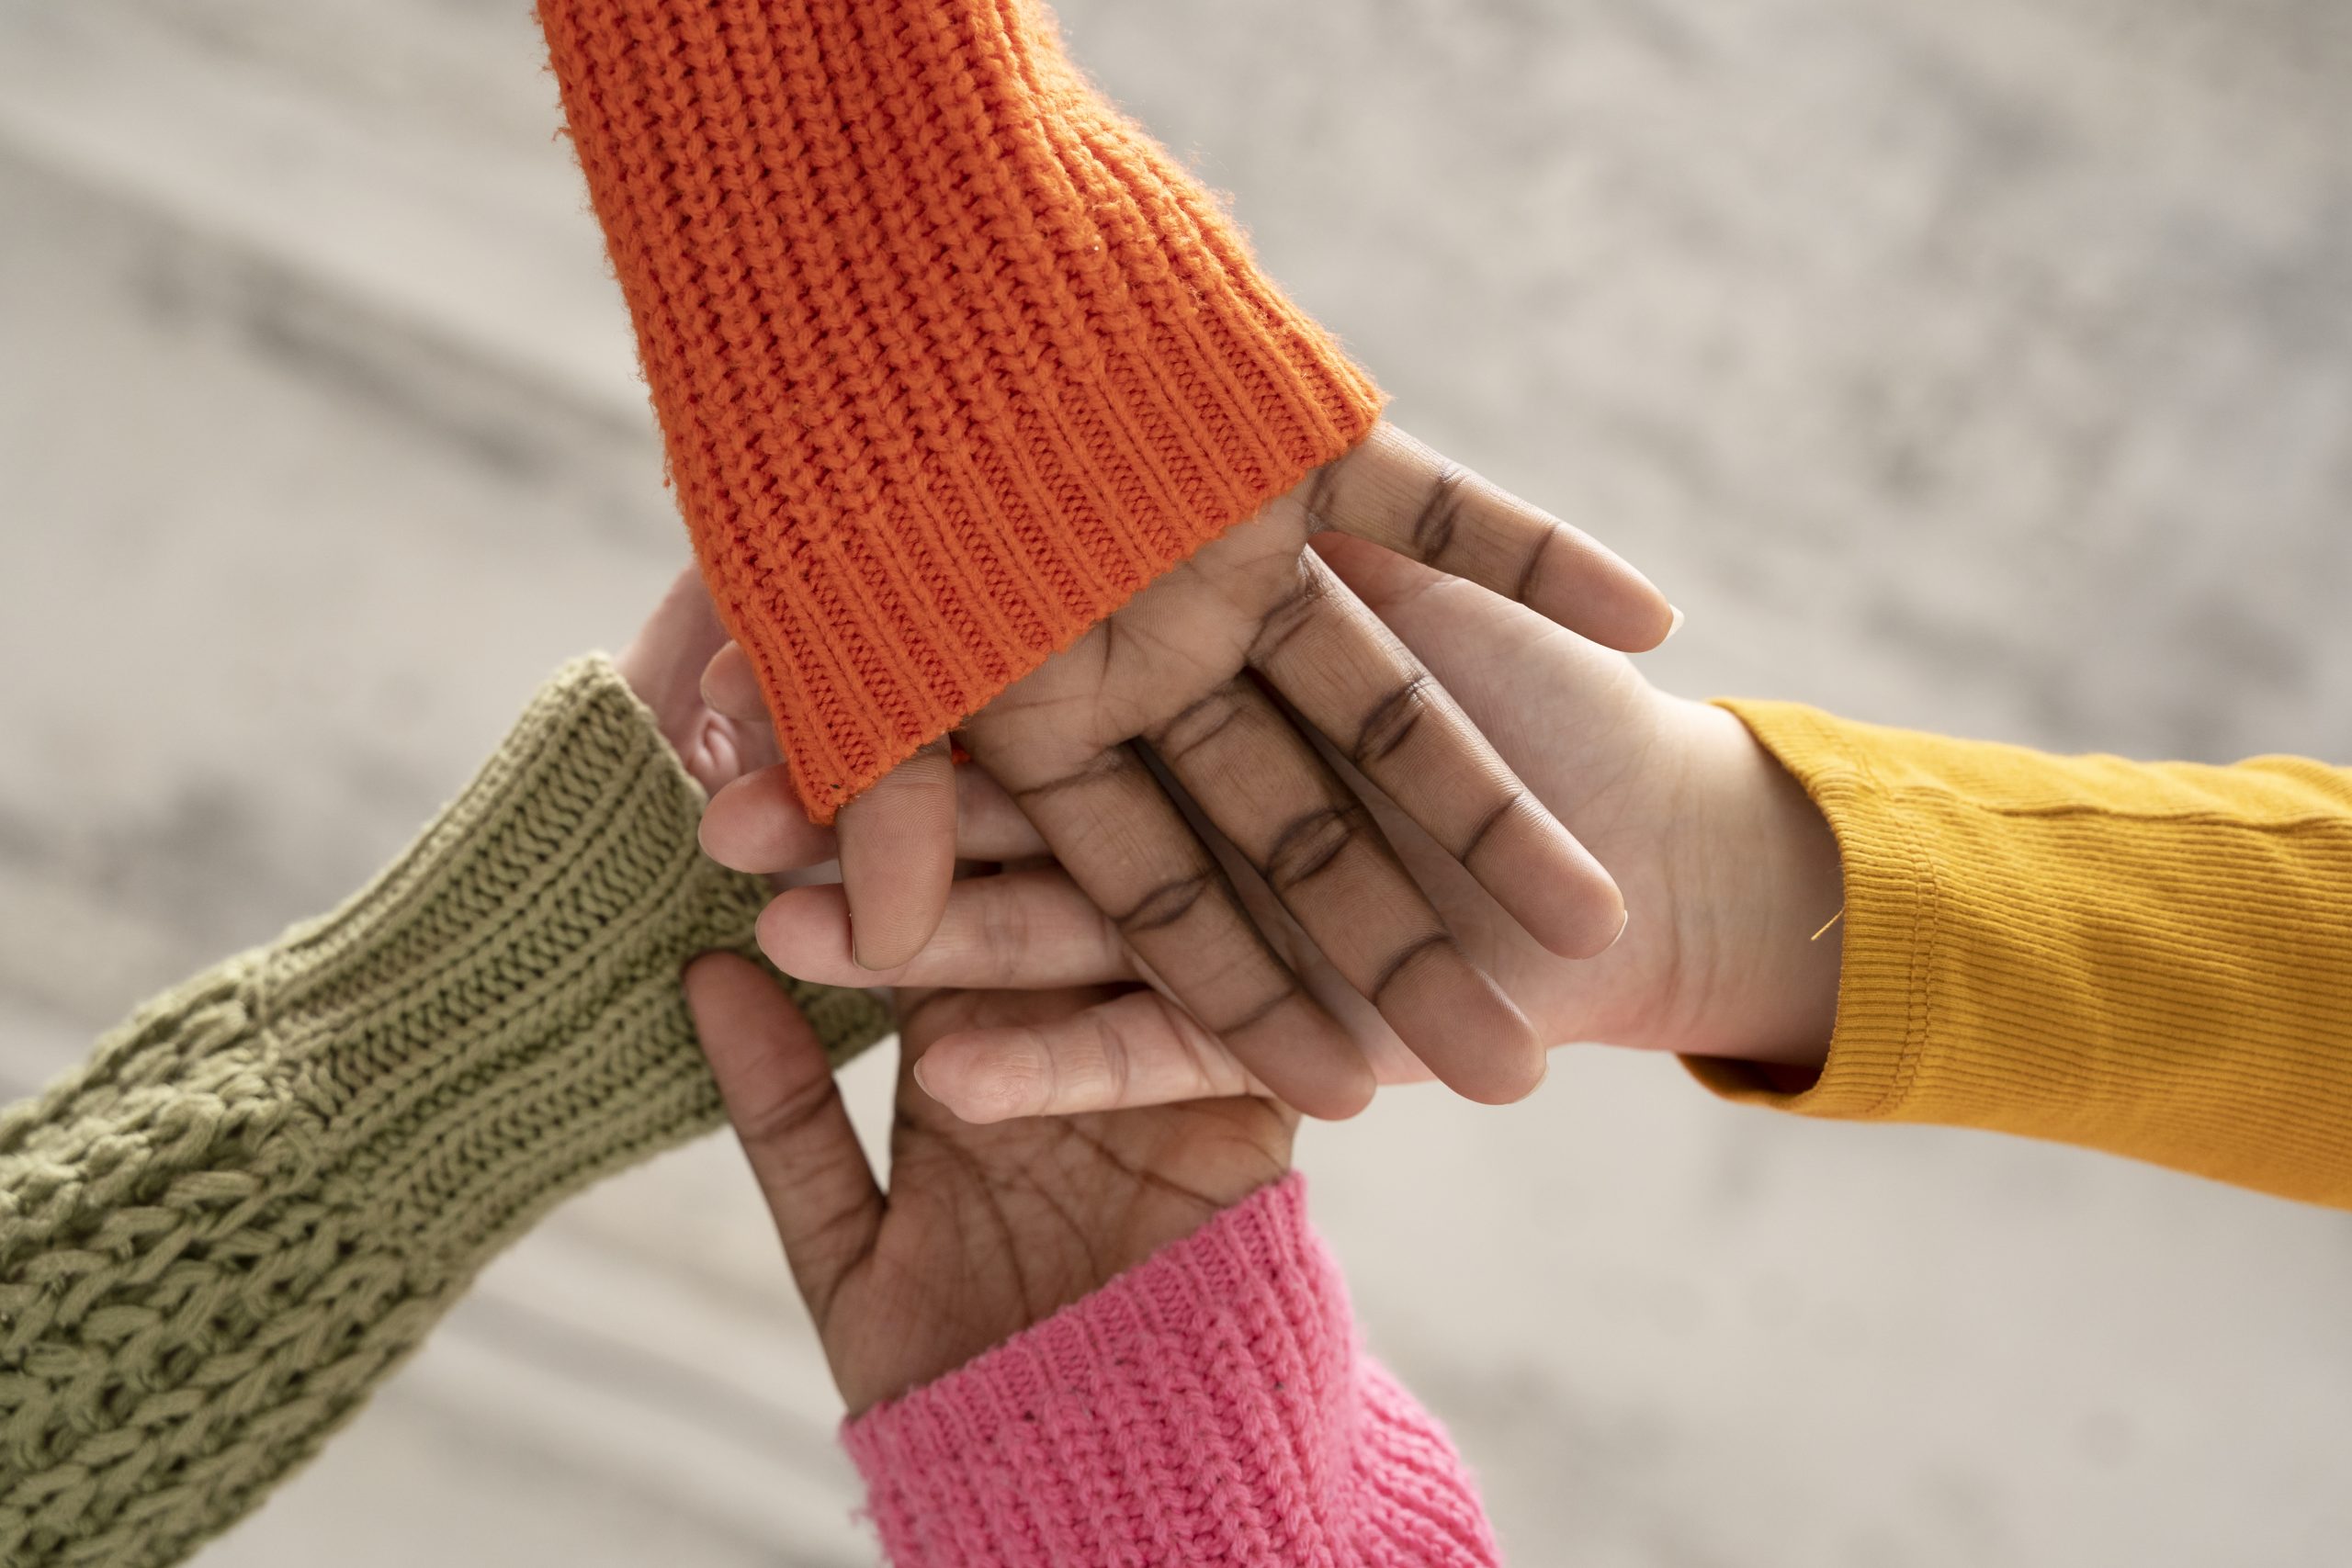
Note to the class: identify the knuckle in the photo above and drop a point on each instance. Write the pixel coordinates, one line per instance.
(1311, 842)
(1259, 1011)
(1432, 530)
(775, 1127)
(1531, 573)
(1321, 486)
(1302, 599)
(1496, 816)
(1196, 725)
(1405, 960)
(1164, 904)
(1006, 931)
(1392, 720)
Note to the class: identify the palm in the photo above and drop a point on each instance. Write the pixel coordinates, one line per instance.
(983, 1230)
(992, 1228)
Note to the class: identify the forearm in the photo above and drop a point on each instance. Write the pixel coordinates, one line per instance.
(222, 1232)
(1213, 1405)
(2149, 959)
(950, 357)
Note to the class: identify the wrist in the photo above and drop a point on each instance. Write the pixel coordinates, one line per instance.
(1758, 881)
(497, 1018)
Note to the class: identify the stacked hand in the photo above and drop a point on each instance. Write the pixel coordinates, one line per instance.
(983, 1230)
(1308, 957)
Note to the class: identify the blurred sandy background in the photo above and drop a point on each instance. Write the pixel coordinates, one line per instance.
(1985, 366)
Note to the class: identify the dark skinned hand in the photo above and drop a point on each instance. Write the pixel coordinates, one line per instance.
(985, 1230)
(1212, 680)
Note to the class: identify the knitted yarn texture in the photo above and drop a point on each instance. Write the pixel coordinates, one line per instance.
(223, 1231)
(1209, 1407)
(2150, 958)
(950, 357)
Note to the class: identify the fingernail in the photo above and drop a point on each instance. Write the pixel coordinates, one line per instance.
(1623, 920)
(1673, 626)
(922, 1081)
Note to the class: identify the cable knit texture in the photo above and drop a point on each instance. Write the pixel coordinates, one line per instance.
(219, 1233)
(950, 356)
(2149, 958)
(1210, 1406)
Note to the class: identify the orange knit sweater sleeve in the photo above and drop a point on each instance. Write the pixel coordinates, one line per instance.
(949, 358)
(2149, 958)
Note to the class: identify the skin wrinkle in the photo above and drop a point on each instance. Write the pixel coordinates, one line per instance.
(1164, 904)
(1309, 843)
(1174, 746)
(1151, 1179)
(1258, 1014)
(1391, 722)
(1528, 574)
(1432, 530)
(1486, 824)
(1318, 493)
(1024, 1181)
(1289, 615)
(1105, 766)
(1403, 959)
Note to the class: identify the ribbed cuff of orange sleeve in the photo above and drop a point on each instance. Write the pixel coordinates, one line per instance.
(2144, 958)
(951, 360)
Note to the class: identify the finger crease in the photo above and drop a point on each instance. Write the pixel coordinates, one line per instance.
(1290, 616)
(1433, 529)
(1404, 960)
(780, 1124)
(1309, 845)
(1258, 1014)
(1318, 493)
(1535, 567)
(1174, 745)
(1164, 904)
(1107, 765)
(1387, 726)
(1486, 825)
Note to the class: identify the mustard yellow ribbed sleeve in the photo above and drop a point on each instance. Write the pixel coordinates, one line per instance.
(2152, 959)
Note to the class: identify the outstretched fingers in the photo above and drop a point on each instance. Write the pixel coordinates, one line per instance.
(1128, 848)
(1024, 930)
(1134, 1050)
(1317, 846)
(1351, 678)
(1397, 493)
(779, 1088)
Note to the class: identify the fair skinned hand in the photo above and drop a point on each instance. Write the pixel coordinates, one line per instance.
(664, 665)
(983, 1230)
(1219, 676)
(1726, 866)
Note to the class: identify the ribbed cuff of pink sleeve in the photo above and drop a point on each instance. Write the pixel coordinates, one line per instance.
(1210, 1406)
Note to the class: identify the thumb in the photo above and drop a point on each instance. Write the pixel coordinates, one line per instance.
(788, 1115)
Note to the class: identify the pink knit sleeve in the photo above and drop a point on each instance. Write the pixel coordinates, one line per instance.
(1210, 1406)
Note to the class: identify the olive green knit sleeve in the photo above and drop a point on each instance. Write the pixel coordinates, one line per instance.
(222, 1232)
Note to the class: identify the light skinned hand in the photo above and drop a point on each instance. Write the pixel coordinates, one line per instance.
(1221, 675)
(1728, 868)
(983, 1230)
(663, 664)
